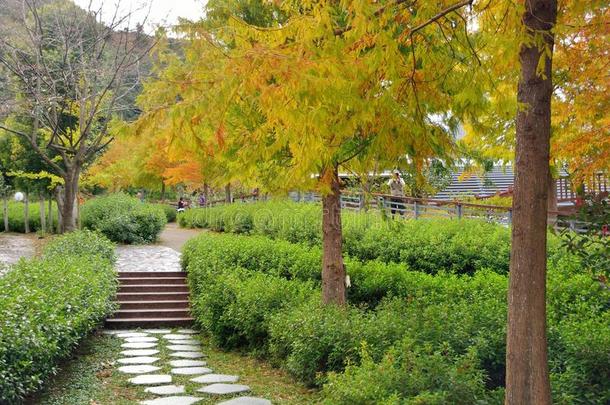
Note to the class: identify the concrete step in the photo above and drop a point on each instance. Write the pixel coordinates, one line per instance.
(128, 323)
(154, 304)
(152, 313)
(153, 288)
(152, 296)
(150, 280)
(150, 274)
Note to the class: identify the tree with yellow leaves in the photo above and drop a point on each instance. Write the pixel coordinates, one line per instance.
(338, 85)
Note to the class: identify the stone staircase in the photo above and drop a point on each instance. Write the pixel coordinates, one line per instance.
(151, 299)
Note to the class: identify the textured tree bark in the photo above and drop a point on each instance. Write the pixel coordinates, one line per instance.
(68, 202)
(333, 270)
(50, 224)
(527, 375)
(228, 199)
(206, 193)
(43, 218)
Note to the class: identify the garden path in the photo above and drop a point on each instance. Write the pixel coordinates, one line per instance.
(168, 363)
(13, 247)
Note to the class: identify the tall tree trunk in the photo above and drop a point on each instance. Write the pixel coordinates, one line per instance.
(5, 201)
(26, 212)
(527, 375)
(333, 271)
(206, 193)
(228, 193)
(43, 225)
(162, 190)
(50, 224)
(68, 201)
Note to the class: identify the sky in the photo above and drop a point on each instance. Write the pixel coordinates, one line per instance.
(160, 12)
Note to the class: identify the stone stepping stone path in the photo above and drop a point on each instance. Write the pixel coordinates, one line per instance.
(246, 401)
(172, 401)
(215, 379)
(166, 389)
(221, 389)
(138, 360)
(169, 366)
(138, 369)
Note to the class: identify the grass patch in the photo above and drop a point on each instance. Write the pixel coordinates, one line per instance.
(91, 377)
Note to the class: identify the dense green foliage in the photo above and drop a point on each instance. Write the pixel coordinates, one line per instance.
(170, 212)
(406, 337)
(47, 305)
(124, 219)
(430, 245)
(16, 216)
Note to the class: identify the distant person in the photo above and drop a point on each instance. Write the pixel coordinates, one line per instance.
(140, 196)
(182, 205)
(397, 190)
(202, 200)
(255, 194)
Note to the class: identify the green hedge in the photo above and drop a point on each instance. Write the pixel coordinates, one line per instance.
(124, 219)
(16, 216)
(47, 305)
(170, 212)
(248, 293)
(428, 245)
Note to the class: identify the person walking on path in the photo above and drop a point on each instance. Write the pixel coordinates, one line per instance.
(397, 190)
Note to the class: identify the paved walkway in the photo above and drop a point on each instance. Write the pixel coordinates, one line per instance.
(13, 247)
(163, 256)
(175, 237)
(170, 366)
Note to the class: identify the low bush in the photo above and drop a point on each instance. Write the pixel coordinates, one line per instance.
(428, 245)
(47, 305)
(410, 373)
(235, 307)
(249, 294)
(170, 212)
(123, 219)
(16, 216)
(255, 253)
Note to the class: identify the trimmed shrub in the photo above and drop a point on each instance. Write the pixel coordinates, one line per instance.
(410, 373)
(262, 295)
(81, 243)
(47, 305)
(170, 212)
(235, 307)
(123, 219)
(218, 252)
(428, 245)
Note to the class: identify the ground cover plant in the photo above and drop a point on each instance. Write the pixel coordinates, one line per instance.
(16, 216)
(124, 219)
(406, 336)
(48, 304)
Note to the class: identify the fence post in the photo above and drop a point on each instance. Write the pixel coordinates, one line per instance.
(459, 211)
(415, 210)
